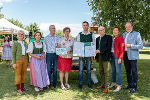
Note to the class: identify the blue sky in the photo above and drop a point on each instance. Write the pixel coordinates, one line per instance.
(45, 12)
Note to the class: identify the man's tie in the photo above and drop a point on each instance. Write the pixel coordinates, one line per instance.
(99, 43)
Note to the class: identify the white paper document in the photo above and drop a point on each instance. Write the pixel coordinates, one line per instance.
(90, 49)
(87, 49)
(78, 49)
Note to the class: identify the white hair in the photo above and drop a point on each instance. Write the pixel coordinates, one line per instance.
(21, 31)
(102, 27)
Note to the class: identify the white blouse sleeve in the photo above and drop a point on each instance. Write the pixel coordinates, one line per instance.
(11, 43)
(44, 47)
(30, 48)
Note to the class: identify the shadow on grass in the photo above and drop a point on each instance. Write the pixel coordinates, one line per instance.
(145, 52)
(8, 89)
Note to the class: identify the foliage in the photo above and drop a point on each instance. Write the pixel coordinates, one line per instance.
(110, 13)
(32, 28)
(60, 33)
(17, 23)
(1, 15)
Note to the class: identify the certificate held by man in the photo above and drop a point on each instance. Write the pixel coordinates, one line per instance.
(84, 49)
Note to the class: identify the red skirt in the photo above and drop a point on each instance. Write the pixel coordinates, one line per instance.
(64, 64)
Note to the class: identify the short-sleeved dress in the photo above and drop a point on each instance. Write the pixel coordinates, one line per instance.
(38, 69)
(6, 53)
(65, 61)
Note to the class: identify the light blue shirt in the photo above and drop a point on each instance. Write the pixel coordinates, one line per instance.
(134, 38)
(51, 43)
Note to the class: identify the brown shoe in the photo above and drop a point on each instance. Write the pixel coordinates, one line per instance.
(101, 86)
(19, 91)
(106, 90)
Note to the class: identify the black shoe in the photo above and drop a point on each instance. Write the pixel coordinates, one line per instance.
(128, 87)
(55, 86)
(24, 89)
(132, 90)
(80, 87)
(89, 85)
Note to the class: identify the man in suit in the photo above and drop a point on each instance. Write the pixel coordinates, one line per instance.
(103, 54)
(133, 43)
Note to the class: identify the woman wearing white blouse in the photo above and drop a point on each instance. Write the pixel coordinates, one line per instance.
(38, 70)
(65, 61)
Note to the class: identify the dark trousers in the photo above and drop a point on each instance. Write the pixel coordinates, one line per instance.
(51, 60)
(131, 71)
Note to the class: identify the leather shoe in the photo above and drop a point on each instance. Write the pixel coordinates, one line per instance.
(101, 86)
(89, 85)
(106, 90)
(128, 87)
(132, 90)
(55, 86)
(80, 87)
(24, 89)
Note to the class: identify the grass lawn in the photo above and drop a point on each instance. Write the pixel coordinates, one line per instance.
(8, 89)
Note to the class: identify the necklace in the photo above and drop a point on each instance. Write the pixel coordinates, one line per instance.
(38, 43)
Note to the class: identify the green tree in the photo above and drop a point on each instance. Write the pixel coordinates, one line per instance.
(60, 33)
(110, 13)
(17, 23)
(32, 28)
(1, 15)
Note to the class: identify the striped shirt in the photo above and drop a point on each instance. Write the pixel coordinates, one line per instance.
(51, 43)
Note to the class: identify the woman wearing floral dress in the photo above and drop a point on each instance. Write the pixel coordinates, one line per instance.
(65, 61)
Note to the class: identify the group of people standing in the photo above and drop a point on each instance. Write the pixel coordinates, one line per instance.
(115, 49)
(44, 61)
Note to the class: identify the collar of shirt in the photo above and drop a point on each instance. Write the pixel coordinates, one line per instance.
(129, 32)
(102, 36)
(86, 34)
(52, 36)
(21, 42)
(67, 39)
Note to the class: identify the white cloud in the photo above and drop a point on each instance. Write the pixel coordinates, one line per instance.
(75, 28)
(4, 1)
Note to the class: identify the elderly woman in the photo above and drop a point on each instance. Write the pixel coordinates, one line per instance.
(65, 61)
(116, 59)
(38, 70)
(20, 61)
(6, 53)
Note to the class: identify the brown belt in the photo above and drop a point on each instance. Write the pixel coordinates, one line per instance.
(51, 53)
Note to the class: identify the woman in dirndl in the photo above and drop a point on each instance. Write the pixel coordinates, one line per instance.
(6, 53)
(38, 70)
